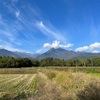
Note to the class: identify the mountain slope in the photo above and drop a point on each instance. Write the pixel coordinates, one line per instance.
(26, 55)
(58, 53)
(65, 54)
(4, 52)
(87, 55)
(54, 53)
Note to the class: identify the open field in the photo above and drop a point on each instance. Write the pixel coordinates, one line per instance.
(16, 85)
(49, 84)
(32, 70)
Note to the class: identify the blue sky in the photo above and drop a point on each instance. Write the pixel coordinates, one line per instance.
(38, 25)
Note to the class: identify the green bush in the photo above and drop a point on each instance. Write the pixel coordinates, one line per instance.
(51, 75)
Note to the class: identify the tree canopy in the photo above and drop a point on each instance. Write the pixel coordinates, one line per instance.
(10, 62)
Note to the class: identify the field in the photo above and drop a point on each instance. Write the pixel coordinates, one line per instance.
(50, 83)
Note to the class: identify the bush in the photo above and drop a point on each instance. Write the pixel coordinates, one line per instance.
(51, 75)
(90, 92)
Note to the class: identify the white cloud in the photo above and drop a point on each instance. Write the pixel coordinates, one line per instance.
(96, 51)
(81, 49)
(93, 46)
(47, 45)
(67, 46)
(38, 51)
(56, 44)
(49, 30)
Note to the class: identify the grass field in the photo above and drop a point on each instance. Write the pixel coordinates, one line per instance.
(50, 84)
(36, 69)
(16, 85)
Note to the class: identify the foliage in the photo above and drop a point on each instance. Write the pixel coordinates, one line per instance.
(10, 62)
(35, 62)
(51, 75)
(52, 62)
(46, 62)
(70, 63)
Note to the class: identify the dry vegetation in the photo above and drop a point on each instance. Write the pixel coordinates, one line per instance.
(48, 84)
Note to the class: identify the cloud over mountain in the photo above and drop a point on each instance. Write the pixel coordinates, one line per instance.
(56, 44)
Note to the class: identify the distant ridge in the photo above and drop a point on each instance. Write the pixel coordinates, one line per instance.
(26, 55)
(4, 52)
(58, 53)
(67, 54)
(54, 53)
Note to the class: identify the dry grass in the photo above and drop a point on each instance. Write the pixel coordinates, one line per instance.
(90, 92)
(48, 84)
(73, 82)
(47, 90)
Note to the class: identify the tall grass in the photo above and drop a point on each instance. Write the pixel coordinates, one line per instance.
(49, 84)
(76, 85)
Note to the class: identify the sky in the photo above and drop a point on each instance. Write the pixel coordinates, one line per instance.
(35, 26)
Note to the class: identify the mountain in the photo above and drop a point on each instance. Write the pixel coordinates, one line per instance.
(86, 55)
(54, 53)
(26, 55)
(58, 53)
(4, 52)
(66, 54)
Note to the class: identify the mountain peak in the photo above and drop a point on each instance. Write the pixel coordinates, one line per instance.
(57, 49)
(58, 53)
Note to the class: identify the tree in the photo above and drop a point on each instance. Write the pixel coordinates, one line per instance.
(35, 63)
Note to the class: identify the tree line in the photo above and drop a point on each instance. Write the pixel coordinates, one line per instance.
(70, 62)
(10, 62)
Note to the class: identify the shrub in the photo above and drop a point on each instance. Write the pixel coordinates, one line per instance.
(90, 91)
(51, 75)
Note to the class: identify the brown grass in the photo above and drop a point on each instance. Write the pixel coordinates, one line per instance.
(55, 85)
